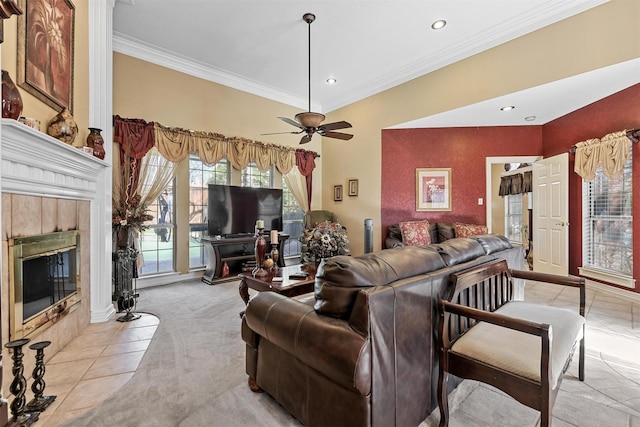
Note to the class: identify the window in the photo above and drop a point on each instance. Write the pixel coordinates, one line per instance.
(513, 217)
(156, 242)
(200, 176)
(292, 221)
(254, 177)
(607, 224)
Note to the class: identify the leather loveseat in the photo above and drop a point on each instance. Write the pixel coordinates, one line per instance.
(361, 350)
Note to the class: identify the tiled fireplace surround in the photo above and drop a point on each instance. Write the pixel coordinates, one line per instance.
(49, 186)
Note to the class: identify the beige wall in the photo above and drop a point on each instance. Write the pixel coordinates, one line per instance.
(146, 91)
(497, 202)
(600, 37)
(35, 108)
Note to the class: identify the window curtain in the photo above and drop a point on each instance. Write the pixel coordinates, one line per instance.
(136, 137)
(175, 144)
(298, 185)
(516, 183)
(611, 152)
(306, 164)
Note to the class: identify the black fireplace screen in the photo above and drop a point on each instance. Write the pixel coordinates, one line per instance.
(47, 280)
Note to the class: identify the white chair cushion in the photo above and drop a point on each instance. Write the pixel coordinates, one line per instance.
(518, 352)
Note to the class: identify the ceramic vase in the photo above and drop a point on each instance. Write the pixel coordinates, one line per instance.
(11, 99)
(63, 127)
(95, 141)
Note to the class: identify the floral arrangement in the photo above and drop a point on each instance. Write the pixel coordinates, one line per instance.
(327, 239)
(134, 215)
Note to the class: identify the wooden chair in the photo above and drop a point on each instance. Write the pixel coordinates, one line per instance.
(519, 347)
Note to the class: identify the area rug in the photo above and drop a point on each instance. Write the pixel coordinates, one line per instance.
(193, 373)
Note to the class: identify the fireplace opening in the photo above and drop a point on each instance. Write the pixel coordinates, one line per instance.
(45, 278)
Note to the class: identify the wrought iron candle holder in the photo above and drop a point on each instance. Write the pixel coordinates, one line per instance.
(18, 387)
(39, 402)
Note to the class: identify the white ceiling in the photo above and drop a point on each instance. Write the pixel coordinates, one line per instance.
(261, 47)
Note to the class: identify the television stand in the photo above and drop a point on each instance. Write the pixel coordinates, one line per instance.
(233, 251)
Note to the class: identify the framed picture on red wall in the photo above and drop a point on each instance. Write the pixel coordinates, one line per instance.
(433, 189)
(45, 51)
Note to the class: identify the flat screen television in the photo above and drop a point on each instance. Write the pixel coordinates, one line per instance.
(234, 210)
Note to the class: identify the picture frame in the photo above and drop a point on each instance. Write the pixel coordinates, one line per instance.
(337, 193)
(353, 187)
(46, 58)
(433, 189)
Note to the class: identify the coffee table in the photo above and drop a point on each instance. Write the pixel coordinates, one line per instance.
(288, 286)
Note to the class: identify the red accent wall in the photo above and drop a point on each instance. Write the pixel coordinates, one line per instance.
(611, 114)
(464, 151)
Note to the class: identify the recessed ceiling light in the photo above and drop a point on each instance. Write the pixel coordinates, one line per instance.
(331, 81)
(508, 108)
(439, 24)
(530, 118)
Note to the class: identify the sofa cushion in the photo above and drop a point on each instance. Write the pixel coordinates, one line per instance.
(458, 250)
(445, 232)
(468, 230)
(415, 233)
(493, 242)
(340, 278)
(395, 232)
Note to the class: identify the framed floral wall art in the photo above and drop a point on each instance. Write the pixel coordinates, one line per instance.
(45, 51)
(433, 189)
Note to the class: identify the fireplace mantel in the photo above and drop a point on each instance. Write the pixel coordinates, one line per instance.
(34, 163)
(38, 164)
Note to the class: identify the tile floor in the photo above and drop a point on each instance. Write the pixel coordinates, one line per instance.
(610, 394)
(94, 366)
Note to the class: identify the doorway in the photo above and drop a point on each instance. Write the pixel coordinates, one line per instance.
(493, 183)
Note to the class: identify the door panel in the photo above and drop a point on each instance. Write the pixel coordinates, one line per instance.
(550, 215)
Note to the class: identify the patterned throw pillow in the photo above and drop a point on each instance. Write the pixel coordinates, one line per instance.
(468, 230)
(415, 233)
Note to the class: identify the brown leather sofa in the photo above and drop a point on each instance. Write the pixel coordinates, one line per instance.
(362, 349)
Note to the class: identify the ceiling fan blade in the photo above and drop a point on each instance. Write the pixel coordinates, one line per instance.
(335, 125)
(305, 139)
(338, 135)
(291, 122)
(282, 133)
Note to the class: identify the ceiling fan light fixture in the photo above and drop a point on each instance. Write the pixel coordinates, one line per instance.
(309, 119)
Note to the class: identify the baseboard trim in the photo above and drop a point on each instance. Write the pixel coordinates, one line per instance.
(618, 292)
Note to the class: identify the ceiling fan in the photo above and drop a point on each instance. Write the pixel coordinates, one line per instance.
(310, 122)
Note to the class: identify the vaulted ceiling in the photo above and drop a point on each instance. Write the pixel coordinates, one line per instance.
(368, 46)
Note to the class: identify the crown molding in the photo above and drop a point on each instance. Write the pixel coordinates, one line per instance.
(156, 55)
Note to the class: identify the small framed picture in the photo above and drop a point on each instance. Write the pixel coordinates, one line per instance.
(337, 193)
(353, 187)
(433, 189)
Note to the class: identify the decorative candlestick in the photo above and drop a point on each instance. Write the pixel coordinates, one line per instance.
(39, 402)
(260, 250)
(274, 255)
(18, 387)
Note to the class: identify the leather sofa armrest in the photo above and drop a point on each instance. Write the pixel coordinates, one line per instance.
(328, 344)
(392, 242)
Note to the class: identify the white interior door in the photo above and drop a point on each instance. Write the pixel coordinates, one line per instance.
(551, 215)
